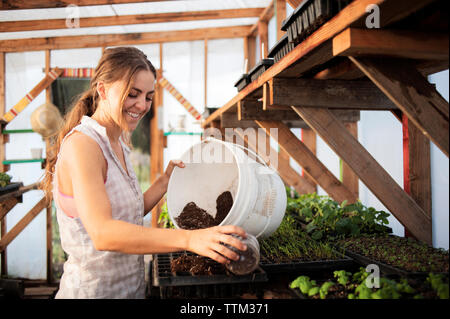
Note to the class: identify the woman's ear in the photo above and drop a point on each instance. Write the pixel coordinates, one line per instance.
(101, 90)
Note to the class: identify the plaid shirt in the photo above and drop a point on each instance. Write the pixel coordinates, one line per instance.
(89, 273)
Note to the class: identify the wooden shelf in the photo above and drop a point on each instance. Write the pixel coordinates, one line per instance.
(23, 161)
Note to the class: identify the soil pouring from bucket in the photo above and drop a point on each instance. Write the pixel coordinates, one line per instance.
(194, 217)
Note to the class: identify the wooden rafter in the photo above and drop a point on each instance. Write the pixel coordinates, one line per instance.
(51, 24)
(413, 94)
(294, 3)
(105, 40)
(396, 43)
(30, 96)
(374, 176)
(40, 4)
(328, 93)
(265, 17)
(9, 237)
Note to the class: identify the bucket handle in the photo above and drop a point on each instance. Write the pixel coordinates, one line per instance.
(243, 148)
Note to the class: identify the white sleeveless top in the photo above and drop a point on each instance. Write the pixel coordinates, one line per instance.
(89, 273)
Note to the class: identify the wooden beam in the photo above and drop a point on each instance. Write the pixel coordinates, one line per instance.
(205, 64)
(294, 3)
(40, 4)
(301, 184)
(3, 138)
(349, 178)
(309, 162)
(12, 234)
(6, 206)
(417, 168)
(252, 110)
(99, 40)
(309, 138)
(263, 39)
(280, 13)
(374, 176)
(340, 94)
(54, 24)
(265, 16)
(394, 43)
(413, 94)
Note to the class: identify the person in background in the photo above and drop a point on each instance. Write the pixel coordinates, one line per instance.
(99, 204)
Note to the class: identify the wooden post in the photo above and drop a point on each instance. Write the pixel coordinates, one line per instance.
(206, 72)
(309, 138)
(280, 12)
(417, 168)
(263, 39)
(349, 178)
(4, 270)
(250, 48)
(48, 99)
(156, 140)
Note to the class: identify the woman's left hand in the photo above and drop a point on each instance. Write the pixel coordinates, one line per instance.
(170, 168)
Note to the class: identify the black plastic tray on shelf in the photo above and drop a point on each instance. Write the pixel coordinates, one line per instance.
(344, 262)
(10, 188)
(309, 16)
(243, 81)
(260, 68)
(163, 275)
(281, 48)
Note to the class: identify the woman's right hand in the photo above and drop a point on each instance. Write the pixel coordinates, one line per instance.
(209, 242)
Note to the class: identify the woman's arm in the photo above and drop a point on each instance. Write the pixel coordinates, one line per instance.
(157, 190)
(106, 233)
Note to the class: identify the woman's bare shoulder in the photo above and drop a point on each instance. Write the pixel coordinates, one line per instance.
(79, 148)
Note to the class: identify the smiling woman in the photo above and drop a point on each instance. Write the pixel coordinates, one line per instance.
(100, 206)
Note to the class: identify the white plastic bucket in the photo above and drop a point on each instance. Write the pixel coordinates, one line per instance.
(213, 167)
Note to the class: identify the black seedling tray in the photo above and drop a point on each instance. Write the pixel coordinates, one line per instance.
(163, 275)
(243, 81)
(306, 266)
(281, 48)
(384, 268)
(260, 68)
(309, 16)
(10, 188)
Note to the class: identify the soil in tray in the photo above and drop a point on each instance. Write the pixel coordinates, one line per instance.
(194, 217)
(196, 265)
(403, 253)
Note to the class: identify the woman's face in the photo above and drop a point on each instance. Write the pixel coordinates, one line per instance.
(138, 101)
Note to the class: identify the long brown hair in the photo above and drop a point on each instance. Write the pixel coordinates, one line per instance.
(120, 63)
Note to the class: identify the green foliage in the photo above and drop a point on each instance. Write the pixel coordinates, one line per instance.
(437, 283)
(354, 287)
(5, 179)
(164, 218)
(327, 219)
(289, 242)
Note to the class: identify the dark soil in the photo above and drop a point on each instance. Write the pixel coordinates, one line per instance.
(194, 217)
(404, 253)
(196, 265)
(224, 203)
(246, 262)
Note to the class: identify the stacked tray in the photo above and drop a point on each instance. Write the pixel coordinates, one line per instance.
(344, 262)
(309, 16)
(243, 81)
(281, 48)
(260, 68)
